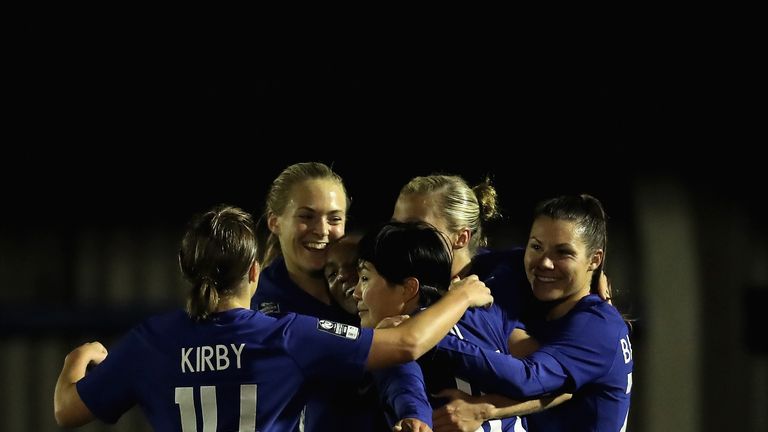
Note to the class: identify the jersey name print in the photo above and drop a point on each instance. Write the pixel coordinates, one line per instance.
(338, 329)
(209, 358)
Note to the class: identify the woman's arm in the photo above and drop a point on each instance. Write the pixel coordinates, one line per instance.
(411, 339)
(402, 390)
(467, 412)
(69, 409)
(521, 344)
(494, 372)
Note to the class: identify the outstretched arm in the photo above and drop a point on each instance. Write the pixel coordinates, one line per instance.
(417, 335)
(467, 413)
(69, 409)
(494, 372)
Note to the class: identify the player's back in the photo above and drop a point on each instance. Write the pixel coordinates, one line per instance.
(240, 370)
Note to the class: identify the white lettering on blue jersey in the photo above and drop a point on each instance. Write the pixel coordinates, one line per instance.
(626, 349)
(220, 354)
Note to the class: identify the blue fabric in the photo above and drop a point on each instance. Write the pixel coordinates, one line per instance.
(479, 327)
(403, 393)
(277, 293)
(587, 352)
(345, 406)
(170, 357)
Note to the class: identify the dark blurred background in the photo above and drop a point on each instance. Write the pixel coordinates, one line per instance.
(120, 127)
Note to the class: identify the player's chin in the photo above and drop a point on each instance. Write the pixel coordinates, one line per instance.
(315, 258)
(546, 294)
(365, 319)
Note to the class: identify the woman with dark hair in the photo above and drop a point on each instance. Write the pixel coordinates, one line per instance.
(585, 348)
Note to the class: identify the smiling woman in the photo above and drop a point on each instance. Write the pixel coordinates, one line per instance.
(585, 346)
(559, 264)
(306, 209)
(305, 212)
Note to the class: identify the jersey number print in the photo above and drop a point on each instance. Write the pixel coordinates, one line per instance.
(185, 400)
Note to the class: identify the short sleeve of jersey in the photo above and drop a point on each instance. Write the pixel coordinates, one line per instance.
(585, 346)
(107, 389)
(328, 349)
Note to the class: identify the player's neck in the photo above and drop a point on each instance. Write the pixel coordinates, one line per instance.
(563, 306)
(462, 263)
(233, 302)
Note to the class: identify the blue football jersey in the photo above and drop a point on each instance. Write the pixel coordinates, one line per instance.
(487, 328)
(277, 293)
(240, 370)
(346, 406)
(587, 352)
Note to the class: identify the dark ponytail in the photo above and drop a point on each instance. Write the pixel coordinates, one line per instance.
(216, 253)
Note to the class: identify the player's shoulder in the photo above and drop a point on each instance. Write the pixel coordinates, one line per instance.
(600, 308)
(165, 321)
(598, 316)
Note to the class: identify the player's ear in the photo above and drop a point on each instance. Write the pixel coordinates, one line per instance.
(463, 236)
(253, 271)
(410, 289)
(273, 223)
(596, 260)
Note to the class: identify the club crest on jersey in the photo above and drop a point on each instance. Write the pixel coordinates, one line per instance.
(338, 329)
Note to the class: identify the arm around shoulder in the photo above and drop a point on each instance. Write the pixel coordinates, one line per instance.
(416, 336)
(69, 408)
(469, 412)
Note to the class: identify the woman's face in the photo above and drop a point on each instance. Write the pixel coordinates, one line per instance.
(376, 298)
(314, 217)
(341, 272)
(557, 262)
